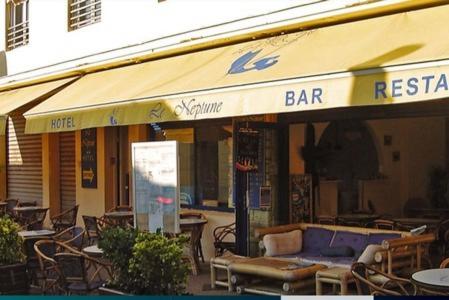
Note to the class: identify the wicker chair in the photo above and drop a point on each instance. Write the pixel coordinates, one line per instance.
(32, 263)
(35, 221)
(365, 279)
(92, 228)
(221, 234)
(384, 224)
(121, 208)
(45, 251)
(65, 219)
(73, 273)
(73, 237)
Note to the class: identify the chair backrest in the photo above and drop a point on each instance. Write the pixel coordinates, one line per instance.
(28, 247)
(36, 219)
(358, 270)
(73, 236)
(71, 214)
(71, 267)
(11, 203)
(221, 232)
(27, 204)
(91, 227)
(121, 208)
(384, 224)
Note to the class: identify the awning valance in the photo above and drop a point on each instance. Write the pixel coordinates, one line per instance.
(392, 59)
(14, 99)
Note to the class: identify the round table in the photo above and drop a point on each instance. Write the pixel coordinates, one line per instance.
(36, 233)
(194, 227)
(120, 218)
(432, 279)
(93, 251)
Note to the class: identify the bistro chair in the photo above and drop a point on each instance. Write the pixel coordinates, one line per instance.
(45, 252)
(370, 281)
(193, 215)
(73, 237)
(73, 273)
(32, 262)
(92, 229)
(222, 235)
(65, 219)
(36, 220)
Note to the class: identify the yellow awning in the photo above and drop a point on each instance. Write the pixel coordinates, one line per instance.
(391, 59)
(14, 99)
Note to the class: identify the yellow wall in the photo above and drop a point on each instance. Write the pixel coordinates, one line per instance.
(91, 201)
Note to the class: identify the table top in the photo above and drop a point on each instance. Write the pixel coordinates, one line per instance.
(93, 250)
(433, 278)
(35, 233)
(275, 268)
(3, 203)
(119, 214)
(192, 221)
(27, 208)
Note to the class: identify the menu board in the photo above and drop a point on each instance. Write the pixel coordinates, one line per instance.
(89, 158)
(155, 184)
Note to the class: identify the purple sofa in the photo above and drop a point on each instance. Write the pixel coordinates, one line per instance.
(315, 238)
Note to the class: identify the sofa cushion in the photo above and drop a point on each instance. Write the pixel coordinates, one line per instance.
(356, 241)
(377, 238)
(342, 251)
(367, 256)
(283, 243)
(315, 238)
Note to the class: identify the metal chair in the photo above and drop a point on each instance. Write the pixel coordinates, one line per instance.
(365, 276)
(73, 237)
(193, 215)
(92, 228)
(65, 219)
(221, 239)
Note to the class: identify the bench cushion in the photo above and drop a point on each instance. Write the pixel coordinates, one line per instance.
(356, 241)
(315, 238)
(283, 243)
(377, 238)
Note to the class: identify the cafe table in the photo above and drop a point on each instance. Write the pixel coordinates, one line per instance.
(36, 233)
(193, 226)
(97, 253)
(432, 279)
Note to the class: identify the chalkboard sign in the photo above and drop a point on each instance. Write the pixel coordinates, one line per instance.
(247, 150)
(89, 158)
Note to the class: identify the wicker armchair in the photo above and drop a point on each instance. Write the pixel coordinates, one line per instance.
(370, 281)
(65, 219)
(45, 251)
(92, 228)
(73, 237)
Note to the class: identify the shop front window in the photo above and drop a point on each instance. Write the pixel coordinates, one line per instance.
(205, 154)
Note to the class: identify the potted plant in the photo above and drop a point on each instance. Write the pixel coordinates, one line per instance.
(144, 263)
(13, 276)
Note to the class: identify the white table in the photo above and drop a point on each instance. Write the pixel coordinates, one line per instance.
(93, 251)
(432, 279)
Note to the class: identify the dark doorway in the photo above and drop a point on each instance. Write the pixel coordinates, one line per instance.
(349, 155)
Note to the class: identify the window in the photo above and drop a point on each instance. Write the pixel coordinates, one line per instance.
(17, 30)
(83, 13)
(205, 156)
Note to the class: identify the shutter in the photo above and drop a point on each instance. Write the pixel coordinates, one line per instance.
(24, 162)
(67, 169)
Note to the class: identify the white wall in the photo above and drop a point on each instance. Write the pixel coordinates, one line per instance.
(132, 26)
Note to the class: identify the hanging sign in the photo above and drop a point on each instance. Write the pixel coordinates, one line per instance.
(247, 150)
(89, 158)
